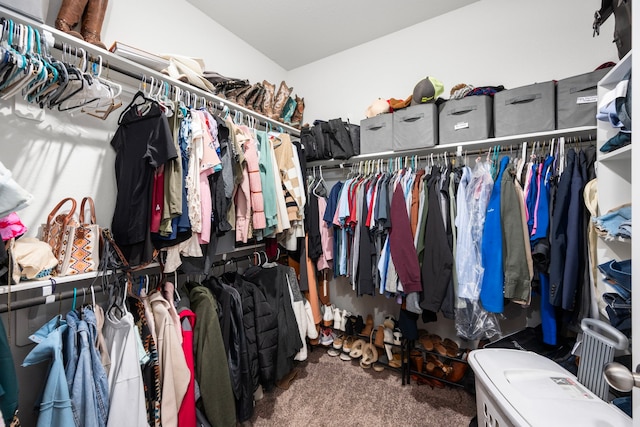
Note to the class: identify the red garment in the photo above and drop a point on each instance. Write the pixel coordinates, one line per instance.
(187, 412)
(403, 253)
(157, 199)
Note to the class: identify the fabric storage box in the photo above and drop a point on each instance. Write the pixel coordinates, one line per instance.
(577, 99)
(376, 134)
(34, 9)
(466, 119)
(526, 109)
(522, 388)
(415, 127)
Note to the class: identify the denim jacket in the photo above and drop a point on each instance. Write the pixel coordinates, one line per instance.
(85, 374)
(55, 406)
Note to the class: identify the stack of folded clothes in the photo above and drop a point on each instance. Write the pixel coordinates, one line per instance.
(617, 274)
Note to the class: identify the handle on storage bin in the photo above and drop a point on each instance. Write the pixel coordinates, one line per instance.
(463, 110)
(600, 329)
(413, 118)
(582, 88)
(523, 99)
(376, 127)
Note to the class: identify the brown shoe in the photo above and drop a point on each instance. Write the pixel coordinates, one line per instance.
(251, 99)
(69, 16)
(379, 341)
(417, 361)
(269, 98)
(368, 326)
(458, 369)
(243, 99)
(92, 22)
(280, 100)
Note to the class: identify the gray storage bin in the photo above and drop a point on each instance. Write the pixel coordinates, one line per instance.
(526, 109)
(34, 9)
(466, 119)
(577, 99)
(376, 134)
(415, 127)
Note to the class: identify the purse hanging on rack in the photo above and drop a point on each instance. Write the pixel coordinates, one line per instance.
(85, 252)
(58, 232)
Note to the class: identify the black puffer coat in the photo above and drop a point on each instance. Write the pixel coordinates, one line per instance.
(261, 331)
(273, 282)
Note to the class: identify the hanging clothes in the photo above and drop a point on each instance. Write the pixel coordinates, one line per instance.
(235, 343)
(187, 412)
(55, 403)
(126, 388)
(174, 372)
(491, 292)
(212, 373)
(86, 377)
(142, 143)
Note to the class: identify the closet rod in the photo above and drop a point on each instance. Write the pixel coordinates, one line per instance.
(41, 300)
(455, 152)
(144, 76)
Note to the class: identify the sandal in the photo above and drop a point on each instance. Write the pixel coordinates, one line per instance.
(369, 353)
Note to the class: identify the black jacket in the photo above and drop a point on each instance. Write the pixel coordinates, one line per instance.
(231, 324)
(261, 331)
(273, 282)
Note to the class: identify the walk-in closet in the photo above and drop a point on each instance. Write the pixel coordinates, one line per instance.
(286, 214)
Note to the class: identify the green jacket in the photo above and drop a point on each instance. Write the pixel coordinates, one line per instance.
(211, 367)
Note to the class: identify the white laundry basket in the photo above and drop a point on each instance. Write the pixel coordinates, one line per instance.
(521, 388)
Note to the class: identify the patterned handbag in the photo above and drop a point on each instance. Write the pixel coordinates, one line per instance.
(85, 253)
(58, 232)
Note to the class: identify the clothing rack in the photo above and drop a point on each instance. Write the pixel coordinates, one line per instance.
(71, 45)
(48, 299)
(579, 135)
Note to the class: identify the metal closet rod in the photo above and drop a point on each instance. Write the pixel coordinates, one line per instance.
(218, 103)
(373, 160)
(41, 300)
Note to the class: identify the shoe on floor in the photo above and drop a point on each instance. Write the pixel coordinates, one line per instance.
(327, 317)
(326, 337)
(345, 357)
(333, 352)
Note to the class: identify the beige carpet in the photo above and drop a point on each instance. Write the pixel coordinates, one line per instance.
(330, 392)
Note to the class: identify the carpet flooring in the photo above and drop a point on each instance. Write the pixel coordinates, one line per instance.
(330, 392)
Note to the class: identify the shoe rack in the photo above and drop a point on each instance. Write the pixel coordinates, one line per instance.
(351, 337)
(436, 367)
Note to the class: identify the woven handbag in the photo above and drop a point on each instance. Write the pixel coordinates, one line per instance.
(58, 232)
(85, 252)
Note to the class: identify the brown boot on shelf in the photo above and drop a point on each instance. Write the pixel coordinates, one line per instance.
(296, 120)
(258, 101)
(368, 326)
(251, 99)
(92, 22)
(246, 95)
(379, 341)
(269, 98)
(417, 361)
(280, 100)
(69, 16)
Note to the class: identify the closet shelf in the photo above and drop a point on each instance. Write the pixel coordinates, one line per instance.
(38, 284)
(621, 154)
(617, 72)
(136, 71)
(577, 132)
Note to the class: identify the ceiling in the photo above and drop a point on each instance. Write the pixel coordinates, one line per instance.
(294, 33)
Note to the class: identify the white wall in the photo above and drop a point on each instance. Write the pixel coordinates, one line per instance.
(491, 42)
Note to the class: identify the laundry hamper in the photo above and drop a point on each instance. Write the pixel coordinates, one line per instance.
(522, 388)
(599, 343)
